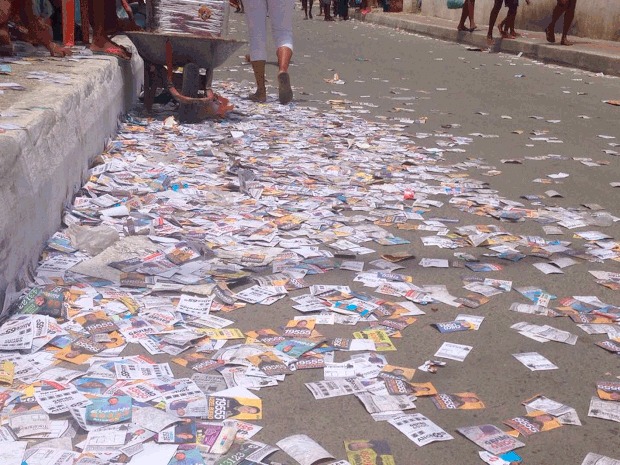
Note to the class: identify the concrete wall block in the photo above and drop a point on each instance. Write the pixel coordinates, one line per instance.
(42, 167)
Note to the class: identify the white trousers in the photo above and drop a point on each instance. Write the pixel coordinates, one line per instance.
(281, 16)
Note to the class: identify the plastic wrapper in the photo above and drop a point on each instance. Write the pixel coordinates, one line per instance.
(93, 240)
(208, 18)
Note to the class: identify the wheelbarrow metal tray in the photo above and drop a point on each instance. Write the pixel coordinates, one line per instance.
(206, 52)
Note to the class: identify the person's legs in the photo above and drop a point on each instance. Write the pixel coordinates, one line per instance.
(510, 25)
(101, 42)
(5, 14)
(256, 18)
(569, 15)
(39, 32)
(343, 9)
(304, 6)
(467, 12)
(281, 16)
(492, 18)
(470, 14)
(560, 8)
(310, 2)
(464, 15)
(505, 25)
(327, 11)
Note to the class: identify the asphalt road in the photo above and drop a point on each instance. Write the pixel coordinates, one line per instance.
(392, 73)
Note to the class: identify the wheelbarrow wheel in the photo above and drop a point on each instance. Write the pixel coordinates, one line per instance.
(188, 113)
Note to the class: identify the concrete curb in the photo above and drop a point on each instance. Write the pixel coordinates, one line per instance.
(43, 165)
(598, 62)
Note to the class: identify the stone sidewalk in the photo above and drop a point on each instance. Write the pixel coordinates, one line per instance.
(598, 56)
(50, 131)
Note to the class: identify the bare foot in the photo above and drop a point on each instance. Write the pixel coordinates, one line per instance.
(106, 46)
(489, 40)
(58, 50)
(259, 96)
(550, 35)
(565, 41)
(502, 32)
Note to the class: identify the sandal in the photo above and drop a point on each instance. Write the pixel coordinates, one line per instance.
(285, 93)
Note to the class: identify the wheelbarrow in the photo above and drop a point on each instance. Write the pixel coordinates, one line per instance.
(162, 52)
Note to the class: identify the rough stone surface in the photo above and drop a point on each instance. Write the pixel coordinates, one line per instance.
(42, 166)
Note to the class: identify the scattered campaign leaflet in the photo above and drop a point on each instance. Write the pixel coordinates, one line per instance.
(59, 399)
(419, 429)
(142, 371)
(47, 455)
(30, 423)
(545, 332)
(563, 413)
(108, 410)
(597, 459)
(452, 326)
(385, 404)
(534, 361)
(534, 422)
(492, 459)
(13, 452)
(154, 454)
(491, 438)
(369, 451)
(604, 409)
(335, 388)
(303, 449)
(608, 390)
(529, 309)
(453, 351)
(458, 401)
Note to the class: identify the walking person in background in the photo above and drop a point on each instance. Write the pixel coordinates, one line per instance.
(566, 7)
(326, 5)
(468, 12)
(306, 5)
(507, 26)
(492, 19)
(281, 17)
(343, 9)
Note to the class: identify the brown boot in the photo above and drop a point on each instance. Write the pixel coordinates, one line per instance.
(259, 75)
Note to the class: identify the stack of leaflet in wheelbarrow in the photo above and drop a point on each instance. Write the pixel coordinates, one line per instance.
(205, 18)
